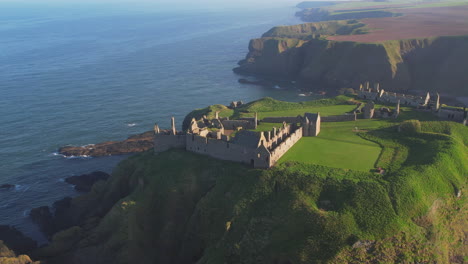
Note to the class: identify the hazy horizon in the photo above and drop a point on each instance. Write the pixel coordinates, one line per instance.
(165, 4)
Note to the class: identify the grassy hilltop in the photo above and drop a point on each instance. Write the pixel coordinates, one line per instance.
(180, 207)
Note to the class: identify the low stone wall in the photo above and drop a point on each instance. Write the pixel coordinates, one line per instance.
(453, 115)
(339, 118)
(287, 119)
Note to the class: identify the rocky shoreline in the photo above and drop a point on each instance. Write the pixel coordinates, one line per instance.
(133, 144)
(64, 214)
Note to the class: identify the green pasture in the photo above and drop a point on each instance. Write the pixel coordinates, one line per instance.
(338, 145)
(324, 111)
(267, 126)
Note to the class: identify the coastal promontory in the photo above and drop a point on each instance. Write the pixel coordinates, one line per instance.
(399, 52)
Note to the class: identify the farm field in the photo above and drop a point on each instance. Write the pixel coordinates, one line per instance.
(339, 146)
(415, 23)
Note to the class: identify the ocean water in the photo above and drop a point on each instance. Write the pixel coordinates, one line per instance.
(81, 75)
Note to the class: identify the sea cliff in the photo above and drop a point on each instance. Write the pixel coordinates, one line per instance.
(433, 64)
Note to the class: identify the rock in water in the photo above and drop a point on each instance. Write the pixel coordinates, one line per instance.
(84, 183)
(7, 186)
(15, 240)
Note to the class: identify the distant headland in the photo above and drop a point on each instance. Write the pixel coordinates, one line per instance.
(398, 50)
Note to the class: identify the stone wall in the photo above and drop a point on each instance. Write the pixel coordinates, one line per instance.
(339, 118)
(164, 142)
(233, 124)
(452, 114)
(393, 98)
(408, 100)
(225, 150)
(287, 119)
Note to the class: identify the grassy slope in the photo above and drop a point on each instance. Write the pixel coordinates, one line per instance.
(180, 207)
(270, 107)
(193, 207)
(309, 31)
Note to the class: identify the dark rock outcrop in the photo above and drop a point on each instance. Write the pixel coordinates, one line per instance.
(8, 256)
(83, 183)
(7, 186)
(15, 240)
(133, 144)
(43, 217)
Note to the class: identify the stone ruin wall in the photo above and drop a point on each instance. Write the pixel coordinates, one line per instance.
(284, 146)
(339, 118)
(390, 97)
(281, 134)
(165, 142)
(226, 150)
(393, 98)
(453, 115)
(233, 124)
(287, 119)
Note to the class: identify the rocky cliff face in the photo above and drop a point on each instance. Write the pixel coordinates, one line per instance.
(435, 64)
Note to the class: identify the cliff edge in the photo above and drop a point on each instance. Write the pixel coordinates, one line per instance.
(433, 64)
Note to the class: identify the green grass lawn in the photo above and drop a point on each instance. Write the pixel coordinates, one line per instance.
(324, 111)
(267, 126)
(338, 145)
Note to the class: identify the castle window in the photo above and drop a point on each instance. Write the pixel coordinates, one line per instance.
(227, 145)
(258, 155)
(198, 148)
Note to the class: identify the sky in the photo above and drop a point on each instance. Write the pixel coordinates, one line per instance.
(175, 3)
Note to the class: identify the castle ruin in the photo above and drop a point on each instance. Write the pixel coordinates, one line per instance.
(423, 103)
(259, 149)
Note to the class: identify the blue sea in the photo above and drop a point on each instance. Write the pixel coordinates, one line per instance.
(91, 73)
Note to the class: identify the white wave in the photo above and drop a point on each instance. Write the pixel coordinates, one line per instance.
(131, 124)
(57, 154)
(302, 95)
(78, 157)
(87, 145)
(22, 188)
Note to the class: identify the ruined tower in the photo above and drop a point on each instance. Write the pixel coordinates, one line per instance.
(369, 110)
(156, 129)
(397, 110)
(437, 106)
(428, 97)
(305, 127)
(256, 120)
(173, 128)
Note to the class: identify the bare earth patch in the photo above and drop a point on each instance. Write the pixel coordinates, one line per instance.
(415, 23)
